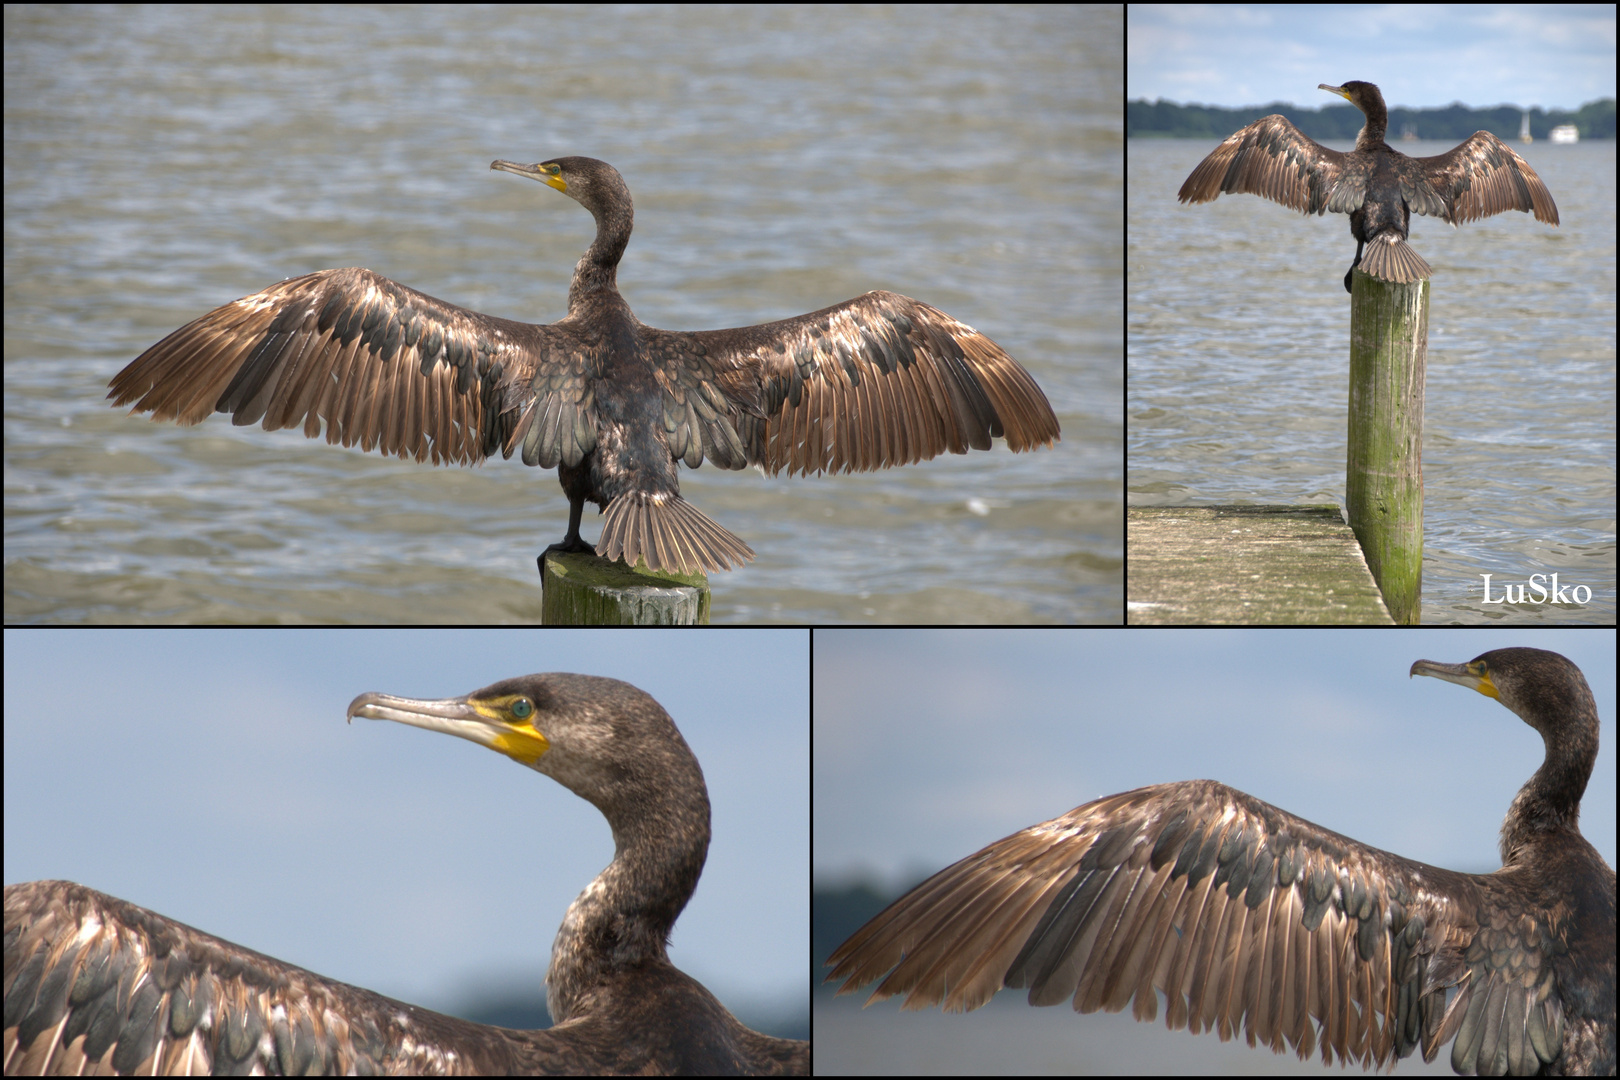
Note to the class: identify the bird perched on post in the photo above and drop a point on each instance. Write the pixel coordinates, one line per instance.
(1377, 185)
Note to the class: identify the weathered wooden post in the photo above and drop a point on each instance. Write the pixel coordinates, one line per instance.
(584, 589)
(1389, 343)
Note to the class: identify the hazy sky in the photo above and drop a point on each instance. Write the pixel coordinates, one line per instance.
(1555, 56)
(931, 744)
(209, 776)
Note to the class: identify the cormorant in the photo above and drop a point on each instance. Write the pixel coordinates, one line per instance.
(1246, 918)
(1377, 185)
(95, 984)
(612, 403)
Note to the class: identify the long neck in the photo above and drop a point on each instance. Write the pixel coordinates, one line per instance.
(623, 918)
(1551, 800)
(598, 269)
(1373, 131)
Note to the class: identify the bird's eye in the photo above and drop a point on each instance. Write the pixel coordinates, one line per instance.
(522, 708)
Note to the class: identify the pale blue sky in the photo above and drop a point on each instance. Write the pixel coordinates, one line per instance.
(931, 744)
(1555, 56)
(209, 775)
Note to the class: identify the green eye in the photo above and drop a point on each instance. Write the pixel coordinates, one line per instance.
(522, 708)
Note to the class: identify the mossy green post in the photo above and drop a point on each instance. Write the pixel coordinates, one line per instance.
(583, 589)
(1389, 344)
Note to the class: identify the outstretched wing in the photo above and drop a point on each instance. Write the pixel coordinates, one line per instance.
(386, 367)
(1245, 917)
(874, 382)
(97, 985)
(1481, 176)
(1273, 159)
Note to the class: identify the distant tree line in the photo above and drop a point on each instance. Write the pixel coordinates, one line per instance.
(1339, 122)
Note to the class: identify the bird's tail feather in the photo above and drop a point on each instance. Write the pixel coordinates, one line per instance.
(1391, 258)
(668, 533)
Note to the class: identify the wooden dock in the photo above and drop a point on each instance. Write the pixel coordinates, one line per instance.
(1247, 565)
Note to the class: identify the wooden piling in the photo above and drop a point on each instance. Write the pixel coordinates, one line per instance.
(1389, 334)
(584, 589)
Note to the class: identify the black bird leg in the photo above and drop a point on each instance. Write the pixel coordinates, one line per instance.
(571, 542)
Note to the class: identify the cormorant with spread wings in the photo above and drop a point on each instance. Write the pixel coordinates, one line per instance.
(1377, 185)
(611, 403)
(1242, 917)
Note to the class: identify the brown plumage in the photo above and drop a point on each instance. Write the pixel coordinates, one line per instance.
(95, 984)
(1249, 919)
(1377, 185)
(611, 403)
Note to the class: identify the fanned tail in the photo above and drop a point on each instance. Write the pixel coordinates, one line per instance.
(668, 533)
(1391, 258)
